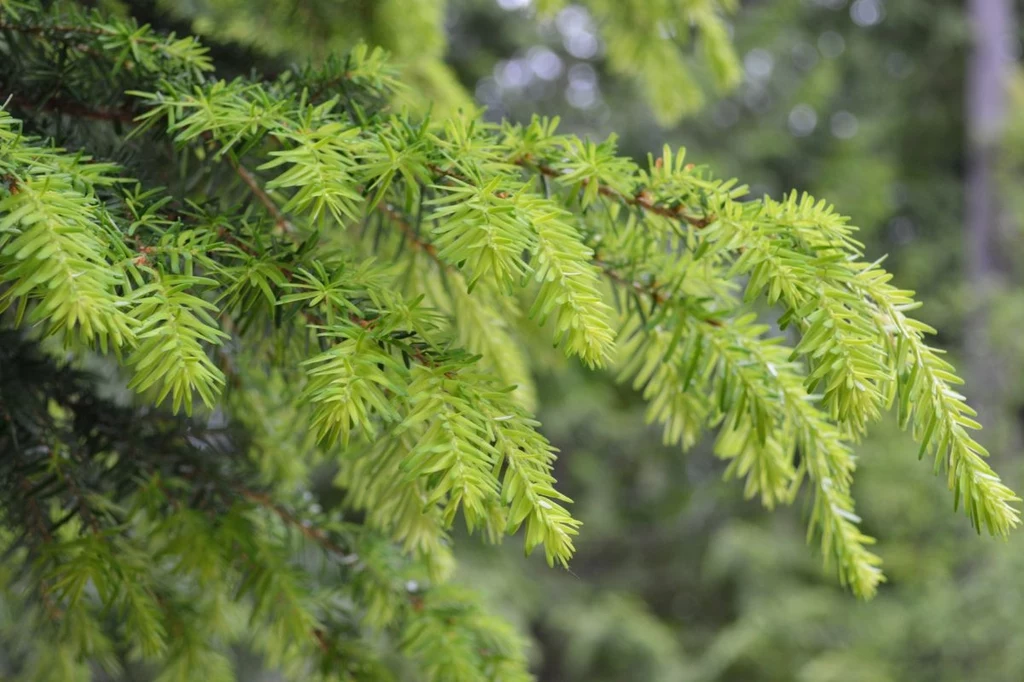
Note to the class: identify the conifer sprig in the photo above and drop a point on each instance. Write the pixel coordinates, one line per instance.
(800, 253)
(324, 273)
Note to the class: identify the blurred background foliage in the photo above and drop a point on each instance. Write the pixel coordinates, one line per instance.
(861, 101)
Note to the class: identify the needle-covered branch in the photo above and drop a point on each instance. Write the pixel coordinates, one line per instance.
(348, 286)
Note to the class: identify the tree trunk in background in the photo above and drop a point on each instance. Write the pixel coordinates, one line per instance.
(988, 72)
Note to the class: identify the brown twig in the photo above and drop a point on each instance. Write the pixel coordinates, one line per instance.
(641, 200)
(36, 29)
(38, 520)
(280, 219)
(417, 242)
(83, 505)
(321, 640)
(313, 533)
(613, 274)
(73, 108)
(37, 515)
(651, 291)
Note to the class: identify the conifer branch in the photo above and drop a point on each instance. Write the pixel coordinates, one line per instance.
(757, 377)
(397, 369)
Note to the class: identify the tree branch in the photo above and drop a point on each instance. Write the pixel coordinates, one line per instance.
(280, 219)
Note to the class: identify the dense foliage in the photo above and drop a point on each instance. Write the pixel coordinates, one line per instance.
(302, 276)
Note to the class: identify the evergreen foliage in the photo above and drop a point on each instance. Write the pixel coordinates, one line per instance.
(291, 271)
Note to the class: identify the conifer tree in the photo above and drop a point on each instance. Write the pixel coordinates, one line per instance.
(215, 285)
